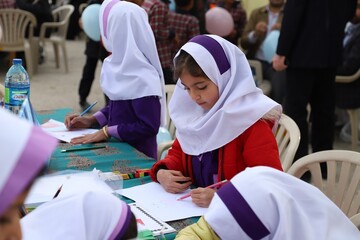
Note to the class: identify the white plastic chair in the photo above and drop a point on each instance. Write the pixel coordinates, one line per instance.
(356, 220)
(263, 84)
(342, 185)
(288, 139)
(59, 30)
(169, 90)
(353, 113)
(15, 23)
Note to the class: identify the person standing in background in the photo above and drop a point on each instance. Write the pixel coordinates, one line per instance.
(185, 25)
(310, 48)
(262, 21)
(348, 94)
(7, 4)
(159, 13)
(239, 16)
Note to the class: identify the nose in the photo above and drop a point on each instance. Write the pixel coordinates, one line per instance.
(194, 95)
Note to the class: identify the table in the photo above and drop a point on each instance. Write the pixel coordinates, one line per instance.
(117, 157)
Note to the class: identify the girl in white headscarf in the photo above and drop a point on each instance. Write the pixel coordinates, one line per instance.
(263, 203)
(223, 121)
(131, 77)
(24, 150)
(89, 215)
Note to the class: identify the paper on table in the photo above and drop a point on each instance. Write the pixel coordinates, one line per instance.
(59, 130)
(162, 204)
(45, 187)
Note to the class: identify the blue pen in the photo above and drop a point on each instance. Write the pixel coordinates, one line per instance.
(88, 109)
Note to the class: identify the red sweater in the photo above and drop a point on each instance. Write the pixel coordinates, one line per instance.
(255, 147)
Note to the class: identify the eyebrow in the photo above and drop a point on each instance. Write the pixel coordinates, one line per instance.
(202, 81)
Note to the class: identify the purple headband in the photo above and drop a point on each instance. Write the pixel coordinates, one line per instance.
(123, 223)
(242, 212)
(215, 49)
(33, 157)
(106, 14)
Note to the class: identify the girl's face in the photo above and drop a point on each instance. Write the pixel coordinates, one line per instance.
(201, 90)
(10, 220)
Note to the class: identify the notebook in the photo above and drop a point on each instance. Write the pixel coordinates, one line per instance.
(146, 221)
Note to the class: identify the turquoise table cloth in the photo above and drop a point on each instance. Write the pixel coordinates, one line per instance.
(118, 157)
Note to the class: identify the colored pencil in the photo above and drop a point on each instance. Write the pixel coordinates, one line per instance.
(88, 109)
(82, 148)
(218, 184)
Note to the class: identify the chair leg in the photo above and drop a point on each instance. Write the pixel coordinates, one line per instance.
(56, 52)
(354, 121)
(65, 57)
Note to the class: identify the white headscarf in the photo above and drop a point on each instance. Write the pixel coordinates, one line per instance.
(133, 70)
(89, 215)
(264, 203)
(24, 150)
(240, 104)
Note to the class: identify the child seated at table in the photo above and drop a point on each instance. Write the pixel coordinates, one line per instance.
(223, 121)
(25, 150)
(131, 77)
(263, 203)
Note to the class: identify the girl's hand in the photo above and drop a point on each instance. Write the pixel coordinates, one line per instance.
(98, 136)
(202, 196)
(75, 121)
(173, 181)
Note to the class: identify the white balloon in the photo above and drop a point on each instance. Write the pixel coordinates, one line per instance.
(219, 21)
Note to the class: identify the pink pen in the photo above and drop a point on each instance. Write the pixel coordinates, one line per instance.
(218, 184)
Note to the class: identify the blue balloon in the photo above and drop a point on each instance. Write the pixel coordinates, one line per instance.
(270, 45)
(163, 135)
(90, 21)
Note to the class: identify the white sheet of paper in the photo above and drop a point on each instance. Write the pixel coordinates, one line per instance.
(59, 130)
(155, 200)
(45, 187)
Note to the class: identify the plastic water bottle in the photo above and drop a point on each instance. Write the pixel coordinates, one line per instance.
(17, 86)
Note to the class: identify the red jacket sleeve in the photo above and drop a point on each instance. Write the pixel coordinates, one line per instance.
(173, 161)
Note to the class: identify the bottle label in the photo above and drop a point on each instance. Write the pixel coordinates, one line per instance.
(15, 96)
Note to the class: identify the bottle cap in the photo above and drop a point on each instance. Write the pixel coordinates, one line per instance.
(17, 61)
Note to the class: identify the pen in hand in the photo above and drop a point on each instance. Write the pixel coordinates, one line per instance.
(218, 184)
(88, 109)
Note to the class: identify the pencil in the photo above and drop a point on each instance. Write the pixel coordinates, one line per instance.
(88, 109)
(218, 184)
(81, 148)
(57, 192)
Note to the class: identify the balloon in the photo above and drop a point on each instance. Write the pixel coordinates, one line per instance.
(270, 45)
(90, 21)
(219, 21)
(163, 135)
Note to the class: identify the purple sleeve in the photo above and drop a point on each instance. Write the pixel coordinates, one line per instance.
(147, 123)
(102, 116)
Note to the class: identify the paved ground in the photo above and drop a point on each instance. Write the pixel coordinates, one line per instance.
(52, 88)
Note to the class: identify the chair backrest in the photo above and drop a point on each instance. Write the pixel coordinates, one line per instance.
(15, 24)
(169, 90)
(61, 17)
(256, 68)
(348, 79)
(288, 139)
(356, 220)
(342, 185)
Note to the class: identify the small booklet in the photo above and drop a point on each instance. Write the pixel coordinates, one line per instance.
(146, 221)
